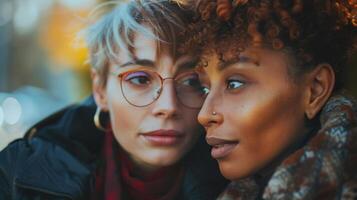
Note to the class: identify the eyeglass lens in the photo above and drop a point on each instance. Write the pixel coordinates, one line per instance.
(143, 87)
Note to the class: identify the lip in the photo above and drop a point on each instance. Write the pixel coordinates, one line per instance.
(221, 147)
(163, 137)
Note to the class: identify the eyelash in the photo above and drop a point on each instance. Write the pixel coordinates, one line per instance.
(230, 81)
(206, 89)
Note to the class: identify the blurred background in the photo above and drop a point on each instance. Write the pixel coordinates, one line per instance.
(42, 65)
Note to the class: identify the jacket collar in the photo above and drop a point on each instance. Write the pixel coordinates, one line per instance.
(73, 129)
(52, 170)
(64, 152)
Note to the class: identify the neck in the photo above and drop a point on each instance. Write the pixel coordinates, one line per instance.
(142, 181)
(141, 169)
(262, 177)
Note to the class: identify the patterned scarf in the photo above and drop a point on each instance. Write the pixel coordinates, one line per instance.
(325, 168)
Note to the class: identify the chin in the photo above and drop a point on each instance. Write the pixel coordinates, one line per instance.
(163, 158)
(231, 172)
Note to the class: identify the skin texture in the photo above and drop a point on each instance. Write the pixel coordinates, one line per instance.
(260, 109)
(166, 113)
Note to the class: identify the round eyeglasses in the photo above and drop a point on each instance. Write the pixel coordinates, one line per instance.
(142, 87)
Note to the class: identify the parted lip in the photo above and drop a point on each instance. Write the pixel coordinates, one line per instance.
(214, 141)
(164, 133)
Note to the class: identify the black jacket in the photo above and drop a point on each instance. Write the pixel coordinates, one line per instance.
(57, 159)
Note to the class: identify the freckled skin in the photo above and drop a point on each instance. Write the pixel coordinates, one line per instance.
(265, 115)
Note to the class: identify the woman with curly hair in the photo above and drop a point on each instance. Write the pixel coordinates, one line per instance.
(275, 116)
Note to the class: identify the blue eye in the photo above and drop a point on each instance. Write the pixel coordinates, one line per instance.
(234, 84)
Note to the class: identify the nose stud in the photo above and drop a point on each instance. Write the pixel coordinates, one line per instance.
(214, 113)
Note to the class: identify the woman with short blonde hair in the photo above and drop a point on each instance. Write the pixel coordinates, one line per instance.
(139, 137)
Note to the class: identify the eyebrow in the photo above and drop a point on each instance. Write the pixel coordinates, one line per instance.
(241, 59)
(187, 65)
(181, 66)
(143, 62)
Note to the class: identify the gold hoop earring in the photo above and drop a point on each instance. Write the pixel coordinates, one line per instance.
(96, 120)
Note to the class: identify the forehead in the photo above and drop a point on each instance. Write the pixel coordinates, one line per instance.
(251, 55)
(145, 47)
(160, 54)
(252, 59)
(142, 47)
(148, 44)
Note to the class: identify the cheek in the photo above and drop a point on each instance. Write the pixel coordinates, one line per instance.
(267, 109)
(252, 112)
(122, 113)
(266, 125)
(121, 117)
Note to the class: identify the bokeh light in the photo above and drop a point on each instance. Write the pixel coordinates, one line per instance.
(6, 12)
(12, 110)
(26, 17)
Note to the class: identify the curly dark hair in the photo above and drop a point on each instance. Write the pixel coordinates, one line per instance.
(313, 31)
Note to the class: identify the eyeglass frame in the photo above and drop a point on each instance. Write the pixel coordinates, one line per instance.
(122, 74)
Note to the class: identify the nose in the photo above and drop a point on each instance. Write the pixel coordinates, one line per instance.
(166, 105)
(209, 114)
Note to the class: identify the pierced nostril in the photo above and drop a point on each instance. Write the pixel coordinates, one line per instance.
(211, 120)
(211, 123)
(205, 122)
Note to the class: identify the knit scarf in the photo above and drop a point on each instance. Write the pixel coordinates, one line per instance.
(324, 168)
(117, 180)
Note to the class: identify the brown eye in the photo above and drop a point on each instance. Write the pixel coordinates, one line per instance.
(189, 80)
(139, 78)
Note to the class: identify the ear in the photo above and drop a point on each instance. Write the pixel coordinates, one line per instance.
(321, 82)
(99, 91)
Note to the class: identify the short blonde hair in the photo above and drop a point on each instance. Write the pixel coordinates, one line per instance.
(160, 20)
